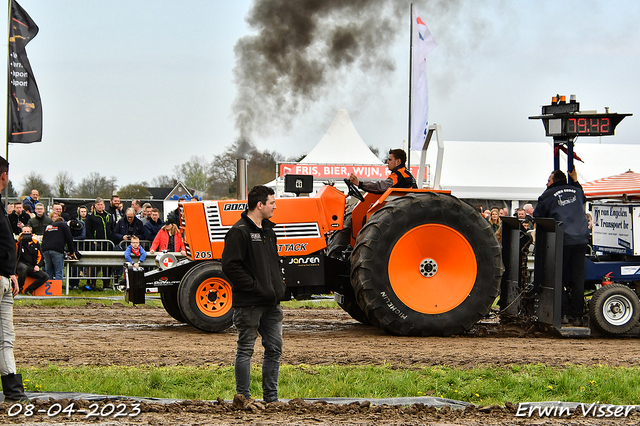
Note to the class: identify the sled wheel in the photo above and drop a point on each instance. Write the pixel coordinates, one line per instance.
(170, 303)
(337, 244)
(614, 309)
(426, 264)
(205, 299)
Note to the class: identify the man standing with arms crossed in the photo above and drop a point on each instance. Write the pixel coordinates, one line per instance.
(250, 261)
(11, 382)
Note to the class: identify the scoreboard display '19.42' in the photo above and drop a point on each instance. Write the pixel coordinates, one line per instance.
(563, 118)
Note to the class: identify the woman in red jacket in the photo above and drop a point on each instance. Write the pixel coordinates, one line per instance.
(169, 239)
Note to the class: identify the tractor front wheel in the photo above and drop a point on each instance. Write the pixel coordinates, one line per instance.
(205, 298)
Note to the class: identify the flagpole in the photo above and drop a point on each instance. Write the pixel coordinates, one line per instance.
(6, 130)
(6, 148)
(410, 83)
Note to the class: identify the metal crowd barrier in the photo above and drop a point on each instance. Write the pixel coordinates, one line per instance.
(107, 259)
(93, 245)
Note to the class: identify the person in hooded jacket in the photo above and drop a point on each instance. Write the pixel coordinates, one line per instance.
(30, 261)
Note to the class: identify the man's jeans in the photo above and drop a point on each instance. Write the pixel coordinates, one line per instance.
(267, 321)
(7, 334)
(54, 263)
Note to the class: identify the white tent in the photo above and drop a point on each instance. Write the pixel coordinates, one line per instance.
(341, 144)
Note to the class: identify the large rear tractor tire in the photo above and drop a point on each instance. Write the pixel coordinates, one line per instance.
(337, 245)
(205, 299)
(614, 309)
(426, 264)
(170, 303)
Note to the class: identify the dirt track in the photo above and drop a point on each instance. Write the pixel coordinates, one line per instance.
(122, 335)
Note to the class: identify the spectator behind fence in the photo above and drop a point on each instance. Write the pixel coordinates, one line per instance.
(496, 223)
(31, 200)
(169, 239)
(59, 208)
(30, 261)
(82, 214)
(136, 205)
(40, 221)
(128, 227)
(56, 237)
(19, 218)
(99, 225)
(115, 209)
(136, 250)
(76, 227)
(146, 213)
(153, 225)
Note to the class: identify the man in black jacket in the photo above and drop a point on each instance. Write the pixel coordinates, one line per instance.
(128, 227)
(99, 225)
(18, 218)
(30, 262)
(12, 387)
(564, 203)
(56, 237)
(250, 261)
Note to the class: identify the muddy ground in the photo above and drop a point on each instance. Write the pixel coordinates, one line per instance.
(123, 335)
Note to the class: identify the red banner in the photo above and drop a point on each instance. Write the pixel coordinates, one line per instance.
(340, 171)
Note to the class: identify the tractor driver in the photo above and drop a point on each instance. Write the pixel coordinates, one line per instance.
(400, 176)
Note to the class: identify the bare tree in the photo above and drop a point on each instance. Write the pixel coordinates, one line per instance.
(96, 185)
(134, 191)
(164, 181)
(194, 173)
(223, 174)
(261, 168)
(63, 184)
(35, 181)
(11, 191)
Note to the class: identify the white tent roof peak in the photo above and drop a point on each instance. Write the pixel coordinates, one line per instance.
(341, 144)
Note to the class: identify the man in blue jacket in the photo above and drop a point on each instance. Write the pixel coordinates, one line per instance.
(564, 203)
(250, 261)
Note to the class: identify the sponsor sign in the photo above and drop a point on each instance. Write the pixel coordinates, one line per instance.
(612, 228)
(340, 171)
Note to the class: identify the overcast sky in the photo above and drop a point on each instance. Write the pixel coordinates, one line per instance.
(132, 88)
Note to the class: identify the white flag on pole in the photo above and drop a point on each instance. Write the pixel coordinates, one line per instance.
(423, 43)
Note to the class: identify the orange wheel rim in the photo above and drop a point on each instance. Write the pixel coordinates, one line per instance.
(213, 297)
(432, 268)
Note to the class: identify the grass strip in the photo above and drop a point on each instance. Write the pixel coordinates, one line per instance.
(81, 298)
(480, 386)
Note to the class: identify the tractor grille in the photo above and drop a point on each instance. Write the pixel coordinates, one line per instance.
(297, 230)
(283, 230)
(216, 230)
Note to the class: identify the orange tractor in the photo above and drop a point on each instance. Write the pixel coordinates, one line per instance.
(409, 261)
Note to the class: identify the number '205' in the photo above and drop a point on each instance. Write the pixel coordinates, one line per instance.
(202, 255)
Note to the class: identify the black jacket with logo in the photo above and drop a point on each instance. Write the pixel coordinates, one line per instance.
(30, 253)
(564, 203)
(250, 261)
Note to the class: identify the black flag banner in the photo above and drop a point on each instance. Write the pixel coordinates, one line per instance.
(24, 120)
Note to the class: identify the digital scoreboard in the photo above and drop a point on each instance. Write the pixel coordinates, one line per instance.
(562, 119)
